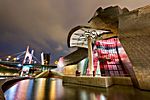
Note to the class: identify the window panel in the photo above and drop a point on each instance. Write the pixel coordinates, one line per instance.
(108, 57)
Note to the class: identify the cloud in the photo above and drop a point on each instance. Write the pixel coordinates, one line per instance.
(45, 24)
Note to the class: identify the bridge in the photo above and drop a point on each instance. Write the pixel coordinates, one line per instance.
(23, 63)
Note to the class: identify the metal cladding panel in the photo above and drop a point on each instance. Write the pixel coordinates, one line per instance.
(78, 36)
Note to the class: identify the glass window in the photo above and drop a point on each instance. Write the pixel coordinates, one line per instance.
(108, 57)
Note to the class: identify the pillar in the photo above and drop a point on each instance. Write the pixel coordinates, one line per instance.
(90, 55)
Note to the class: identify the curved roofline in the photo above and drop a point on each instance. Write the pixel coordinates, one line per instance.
(77, 28)
(72, 31)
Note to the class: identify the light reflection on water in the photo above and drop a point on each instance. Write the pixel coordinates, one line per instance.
(52, 89)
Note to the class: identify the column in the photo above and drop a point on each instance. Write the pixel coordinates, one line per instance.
(90, 55)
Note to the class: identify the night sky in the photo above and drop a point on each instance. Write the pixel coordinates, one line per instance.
(45, 24)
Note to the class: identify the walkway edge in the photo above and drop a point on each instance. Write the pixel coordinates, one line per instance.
(97, 81)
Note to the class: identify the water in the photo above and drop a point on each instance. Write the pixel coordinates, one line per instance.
(52, 89)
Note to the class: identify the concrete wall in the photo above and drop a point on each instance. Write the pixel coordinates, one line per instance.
(89, 81)
(134, 35)
(122, 81)
(70, 70)
(7, 83)
(97, 81)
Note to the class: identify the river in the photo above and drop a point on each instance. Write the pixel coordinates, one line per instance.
(52, 89)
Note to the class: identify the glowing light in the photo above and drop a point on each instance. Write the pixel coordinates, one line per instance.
(10, 93)
(83, 95)
(1, 73)
(14, 59)
(59, 89)
(53, 90)
(15, 74)
(35, 62)
(42, 58)
(19, 65)
(25, 70)
(102, 97)
(92, 96)
(7, 59)
(56, 62)
(82, 34)
(30, 90)
(17, 58)
(60, 62)
(7, 73)
(9, 56)
(23, 88)
(41, 89)
(107, 58)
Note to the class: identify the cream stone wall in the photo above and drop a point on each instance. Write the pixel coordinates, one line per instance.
(135, 38)
(70, 70)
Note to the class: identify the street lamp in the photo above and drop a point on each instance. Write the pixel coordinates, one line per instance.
(7, 59)
(9, 56)
(14, 59)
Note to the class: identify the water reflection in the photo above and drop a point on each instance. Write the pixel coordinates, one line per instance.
(52, 89)
(35, 89)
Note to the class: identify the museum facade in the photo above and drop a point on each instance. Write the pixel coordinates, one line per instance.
(116, 43)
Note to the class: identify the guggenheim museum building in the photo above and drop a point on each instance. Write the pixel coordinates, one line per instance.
(115, 43)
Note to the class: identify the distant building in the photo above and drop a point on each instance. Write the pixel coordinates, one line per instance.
(45, 58)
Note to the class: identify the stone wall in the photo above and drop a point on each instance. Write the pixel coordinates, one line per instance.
(97, 81)
(70, 70)
(89, 81)
(134, 35)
